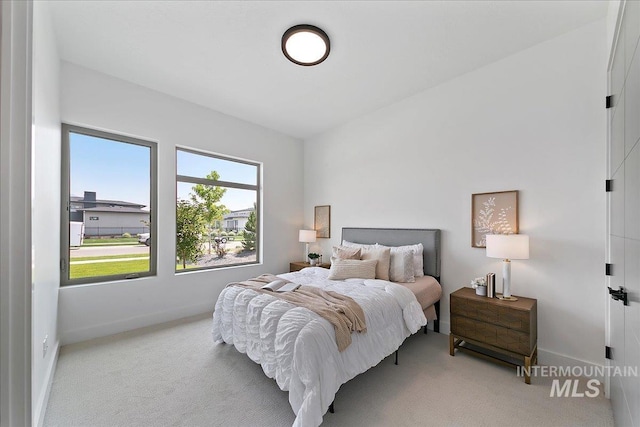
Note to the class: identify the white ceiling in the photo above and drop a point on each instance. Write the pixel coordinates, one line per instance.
(226, 55)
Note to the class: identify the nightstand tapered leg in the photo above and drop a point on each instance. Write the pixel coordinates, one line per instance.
(527, 369)
(451, 345)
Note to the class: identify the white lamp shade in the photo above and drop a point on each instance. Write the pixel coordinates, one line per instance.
(307, 236)
(508, 246)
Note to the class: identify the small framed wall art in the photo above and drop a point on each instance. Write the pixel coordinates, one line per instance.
(493, 213)
(322, 221)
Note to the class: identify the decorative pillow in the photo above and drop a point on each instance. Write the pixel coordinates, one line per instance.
(382, 255)
(346, 252)
(418, 260)
(401, 266)
(342, 269)
(356, 245)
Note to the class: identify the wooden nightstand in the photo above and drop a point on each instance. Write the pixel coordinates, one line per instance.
(503, 327)
(297, 266)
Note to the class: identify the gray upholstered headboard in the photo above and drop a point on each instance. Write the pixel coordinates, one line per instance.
(430, 239)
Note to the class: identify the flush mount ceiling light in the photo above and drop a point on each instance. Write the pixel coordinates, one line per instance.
(305, 45)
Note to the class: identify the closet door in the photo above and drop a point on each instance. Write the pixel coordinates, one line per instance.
(624, 215)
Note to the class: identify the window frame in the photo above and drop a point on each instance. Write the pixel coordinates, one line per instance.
(65, 187)
(226, 184)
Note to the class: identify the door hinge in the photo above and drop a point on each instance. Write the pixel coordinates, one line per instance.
(619, 295)
(63, 264)
(608, 269)
(608, 185)
(609, 101)
(607, 352)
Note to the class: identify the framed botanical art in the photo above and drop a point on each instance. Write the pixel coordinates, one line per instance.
(493, 213)
(322, 221)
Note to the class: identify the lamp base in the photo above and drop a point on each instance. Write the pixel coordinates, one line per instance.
(503, 298)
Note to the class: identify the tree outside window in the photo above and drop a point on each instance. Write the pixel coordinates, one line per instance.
(217, 211)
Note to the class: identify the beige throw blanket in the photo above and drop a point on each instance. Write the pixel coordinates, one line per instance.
(341, 311)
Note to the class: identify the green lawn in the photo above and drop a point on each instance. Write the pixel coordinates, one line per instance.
(110, 242)
(189, 266)
(92, 258)
(108, 268)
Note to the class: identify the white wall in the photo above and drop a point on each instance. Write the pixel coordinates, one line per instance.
(533, 122)
(613, 14)
(98, 101)
(45, 217)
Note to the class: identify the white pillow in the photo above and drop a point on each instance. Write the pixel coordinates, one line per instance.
(382, 255)
(418, 261)
(401, 266)
(342, 269)
(356, 245)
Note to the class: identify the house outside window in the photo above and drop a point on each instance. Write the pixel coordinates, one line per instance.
(108, 201)
(217, 210)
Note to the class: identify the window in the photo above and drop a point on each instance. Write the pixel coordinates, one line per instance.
(108, 207)
(217, 211)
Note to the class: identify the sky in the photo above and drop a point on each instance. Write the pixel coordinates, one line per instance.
(115, 171)
(200, 166)
(121, 171)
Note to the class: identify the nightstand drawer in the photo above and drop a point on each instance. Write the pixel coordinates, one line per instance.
(486, 310)
(514, 319)
(497, 336)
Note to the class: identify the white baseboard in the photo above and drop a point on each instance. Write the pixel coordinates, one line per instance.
(445, 327)
(136, 322)
(40, 406)
(551, 358)
(590, 369)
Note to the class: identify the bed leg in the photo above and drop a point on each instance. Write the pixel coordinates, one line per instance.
(436, 323)
(396, 362)
(425, 329)
(331, 408)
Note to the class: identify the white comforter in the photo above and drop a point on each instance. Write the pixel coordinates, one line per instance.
(297, 347)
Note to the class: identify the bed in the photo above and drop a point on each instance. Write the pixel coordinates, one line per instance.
(297, 348)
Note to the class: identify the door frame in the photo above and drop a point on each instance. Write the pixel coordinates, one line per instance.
(16, 20)
(613, 42)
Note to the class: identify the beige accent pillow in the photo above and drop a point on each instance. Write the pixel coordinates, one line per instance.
(401, 266)
(346, 252)
(342, 269)
(382, 255)
(418, 260)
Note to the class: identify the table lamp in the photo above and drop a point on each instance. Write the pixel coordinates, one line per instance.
(306, 237)
(507, 247)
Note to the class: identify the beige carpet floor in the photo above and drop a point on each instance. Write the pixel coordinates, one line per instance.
(174, 375)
